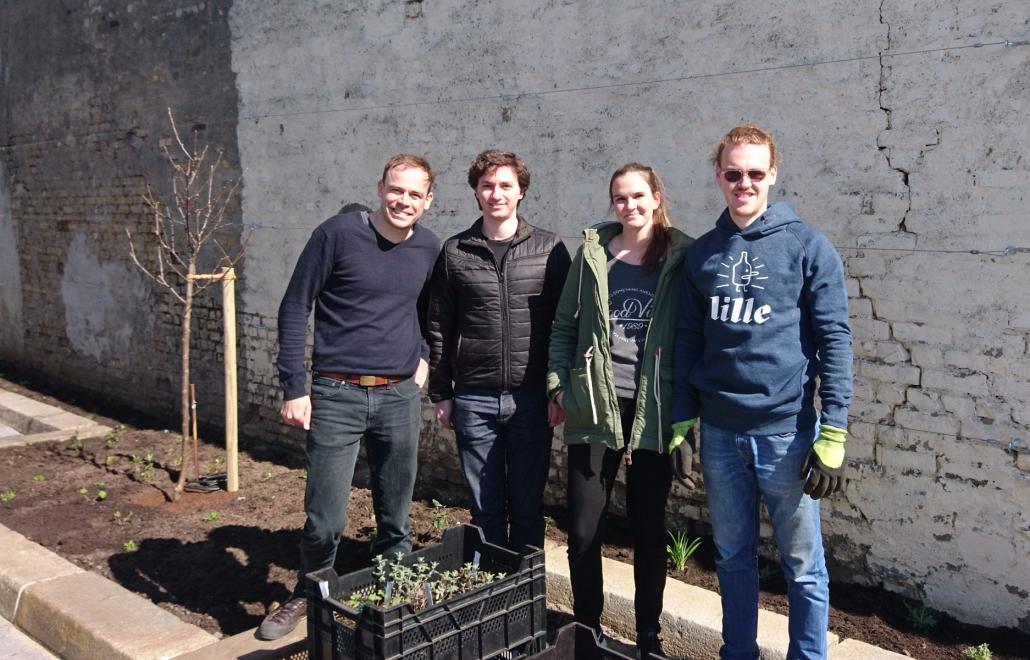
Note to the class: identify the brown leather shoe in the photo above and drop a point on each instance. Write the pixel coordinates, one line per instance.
(282, 620)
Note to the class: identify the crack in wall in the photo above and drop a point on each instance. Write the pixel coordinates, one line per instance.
(884, 73)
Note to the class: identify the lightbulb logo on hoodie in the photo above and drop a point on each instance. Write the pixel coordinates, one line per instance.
(742, 273)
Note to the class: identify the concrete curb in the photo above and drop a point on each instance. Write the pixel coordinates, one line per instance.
(16, 645)
(41, 422)
(692, 617)
(246, 645)
(87, 616)
(82, 615)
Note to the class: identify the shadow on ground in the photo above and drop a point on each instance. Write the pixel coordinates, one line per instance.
(226, 577)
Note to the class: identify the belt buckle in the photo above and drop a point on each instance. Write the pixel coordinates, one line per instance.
(367, 381)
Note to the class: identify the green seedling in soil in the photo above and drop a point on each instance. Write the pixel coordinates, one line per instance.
(982, 652)
(38, 478)
(303, 474)
(101, 491)
(147, 472)
(682, 549)
(129, 545)
(177, 462)
(7, 496)
(265, 476)
(122, 518)
(440, 518)
(766, 573)
(211, 516)
(921, 618)
(114, 435)
(109, 461)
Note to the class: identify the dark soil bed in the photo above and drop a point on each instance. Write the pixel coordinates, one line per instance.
(219, 560)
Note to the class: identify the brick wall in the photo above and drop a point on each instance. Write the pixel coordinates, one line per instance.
(901, 123)
(86, 90)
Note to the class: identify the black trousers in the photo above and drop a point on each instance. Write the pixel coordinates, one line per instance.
(592, 470)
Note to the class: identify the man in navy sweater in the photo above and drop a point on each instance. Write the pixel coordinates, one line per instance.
(367, 276)
(763, 318)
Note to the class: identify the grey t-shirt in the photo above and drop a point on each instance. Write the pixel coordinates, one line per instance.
(499, 248)
(630, 303)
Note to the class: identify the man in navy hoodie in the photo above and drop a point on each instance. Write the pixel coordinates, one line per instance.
(763, 319)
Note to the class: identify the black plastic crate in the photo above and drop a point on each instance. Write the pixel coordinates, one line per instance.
(577, 642)
(508, 614)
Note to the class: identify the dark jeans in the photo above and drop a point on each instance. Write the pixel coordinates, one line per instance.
(388, 418)
(504, 444)
(592, 470)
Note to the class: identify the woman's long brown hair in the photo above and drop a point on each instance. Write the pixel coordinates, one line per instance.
(660, 240)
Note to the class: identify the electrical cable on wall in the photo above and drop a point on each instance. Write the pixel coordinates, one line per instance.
(1005, 43)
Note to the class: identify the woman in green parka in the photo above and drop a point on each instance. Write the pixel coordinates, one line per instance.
(610, 367)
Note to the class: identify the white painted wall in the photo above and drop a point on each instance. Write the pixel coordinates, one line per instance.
(106, 304)
(902, 140)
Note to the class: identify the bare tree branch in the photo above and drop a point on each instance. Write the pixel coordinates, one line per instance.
(183, 230)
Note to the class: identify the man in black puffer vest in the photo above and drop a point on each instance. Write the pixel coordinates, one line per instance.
(494, 291)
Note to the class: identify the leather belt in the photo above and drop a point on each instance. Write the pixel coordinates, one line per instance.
(362, 381)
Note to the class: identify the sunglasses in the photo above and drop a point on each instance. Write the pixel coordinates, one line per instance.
(733, 176)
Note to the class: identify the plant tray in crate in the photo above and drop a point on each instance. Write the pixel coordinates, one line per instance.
(505, 615)
(577, 642)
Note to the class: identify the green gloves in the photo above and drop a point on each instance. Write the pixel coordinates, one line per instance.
(824, 465)
(681, 454)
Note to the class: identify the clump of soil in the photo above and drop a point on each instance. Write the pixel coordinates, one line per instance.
(220, 560)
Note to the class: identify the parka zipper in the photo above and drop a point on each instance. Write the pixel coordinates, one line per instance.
(579, 286)
(658, 394)
(588, 357)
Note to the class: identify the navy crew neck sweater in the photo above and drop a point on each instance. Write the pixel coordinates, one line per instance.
(369, 297)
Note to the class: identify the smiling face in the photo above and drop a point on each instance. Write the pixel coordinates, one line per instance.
(633, 200)
(498, 193)
(746, 199)
(405, 196)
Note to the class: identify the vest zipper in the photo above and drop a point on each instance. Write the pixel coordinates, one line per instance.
(502, 284)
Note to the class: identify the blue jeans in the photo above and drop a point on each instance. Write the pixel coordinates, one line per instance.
(739, 468)
(504, 444)
(388, 418)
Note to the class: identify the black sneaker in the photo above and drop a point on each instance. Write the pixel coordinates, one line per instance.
(649, 646)
(282, 620)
